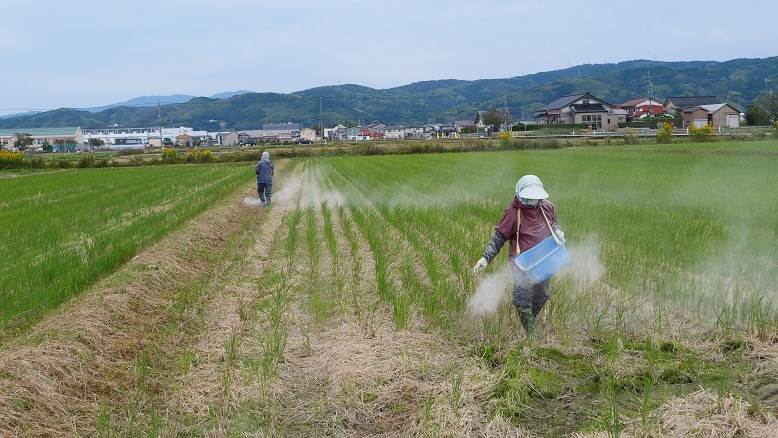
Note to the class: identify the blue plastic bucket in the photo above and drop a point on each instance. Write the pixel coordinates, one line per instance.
(543, 260)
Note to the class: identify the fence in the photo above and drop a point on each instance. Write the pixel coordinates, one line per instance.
(644, 132)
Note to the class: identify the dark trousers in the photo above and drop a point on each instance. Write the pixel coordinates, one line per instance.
(265, 191)
(526, 294)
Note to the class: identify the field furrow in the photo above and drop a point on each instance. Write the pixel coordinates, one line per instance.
(58, 378)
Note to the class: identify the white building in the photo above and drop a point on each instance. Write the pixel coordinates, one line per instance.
(394, 133)
(129, 138)
(309, 134)
(60, 138)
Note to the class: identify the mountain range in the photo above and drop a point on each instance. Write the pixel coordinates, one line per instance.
(738, 81)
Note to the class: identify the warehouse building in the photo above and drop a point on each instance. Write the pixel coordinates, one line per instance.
(61, 139)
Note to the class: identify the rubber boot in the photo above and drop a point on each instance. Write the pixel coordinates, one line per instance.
(528, 321)
(267, 204)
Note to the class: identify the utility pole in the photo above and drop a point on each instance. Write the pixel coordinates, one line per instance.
(159, 122)
(505, 118)
(321, 125)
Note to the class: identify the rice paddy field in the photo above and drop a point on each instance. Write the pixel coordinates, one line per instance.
(346, 307)
(63, 230)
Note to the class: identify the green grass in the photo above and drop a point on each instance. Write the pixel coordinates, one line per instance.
(63, 230)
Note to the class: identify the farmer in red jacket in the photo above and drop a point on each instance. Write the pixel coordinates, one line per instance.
(536, 217)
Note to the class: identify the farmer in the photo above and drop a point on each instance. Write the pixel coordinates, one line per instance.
(537, 217)
(264, 173)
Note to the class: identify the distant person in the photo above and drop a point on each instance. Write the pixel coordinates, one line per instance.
(537, 219)
(264, 173)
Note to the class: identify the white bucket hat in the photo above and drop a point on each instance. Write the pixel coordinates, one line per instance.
(530, 187)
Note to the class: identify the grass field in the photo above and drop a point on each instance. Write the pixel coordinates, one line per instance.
(343, 309)
(63, 230)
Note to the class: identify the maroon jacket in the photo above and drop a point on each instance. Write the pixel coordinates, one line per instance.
(533, 227)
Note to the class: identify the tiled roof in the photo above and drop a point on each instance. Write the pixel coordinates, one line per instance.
(684, 101)
(564, 101)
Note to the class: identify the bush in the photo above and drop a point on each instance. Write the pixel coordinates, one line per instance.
(775, 128)
(86, 161)
(702, 134)
(630, 137)
(199, 155)
(37, 163)
(665, 133)
(130, 152)
(169, 155)
(505, 138)
(136, 160)
(11, 160)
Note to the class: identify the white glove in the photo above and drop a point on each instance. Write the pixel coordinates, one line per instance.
(561, 235)
(480, 266)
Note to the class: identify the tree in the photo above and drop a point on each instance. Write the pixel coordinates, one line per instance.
(23, 141)
(768, 104)
(678, 119)
(757, 116)
(493, 118)
(96, 142)
(665, 133)
(47, 147)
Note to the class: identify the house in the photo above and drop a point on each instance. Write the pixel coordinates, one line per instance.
(446, 131)
(61, 139)
(309, 134)
(355, 134)
(281, 131)
(336, 133)
(719, 115)
(480, 118)
(582, 108)
(226, 138)
(415, 132)
(463, 124)
(678, 103)
(376, 126)
(641, 107)
(394, 133)
(184, 140)
(372, 134)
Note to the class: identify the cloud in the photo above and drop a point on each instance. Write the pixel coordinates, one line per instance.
(93, 52)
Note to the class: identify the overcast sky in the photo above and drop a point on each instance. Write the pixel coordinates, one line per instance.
(81, 53)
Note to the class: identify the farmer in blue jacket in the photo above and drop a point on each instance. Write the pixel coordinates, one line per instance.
(264, 173)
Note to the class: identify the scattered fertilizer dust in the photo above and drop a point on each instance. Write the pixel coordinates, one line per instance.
(310, 188)
(252, 201)
(490, 292)
(586, 267)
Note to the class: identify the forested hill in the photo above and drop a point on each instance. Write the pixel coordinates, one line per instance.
(738, 81)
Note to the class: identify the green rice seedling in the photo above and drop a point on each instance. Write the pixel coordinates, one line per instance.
(332, 246)
(61, 231)
(457, 379)
(104, 428)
